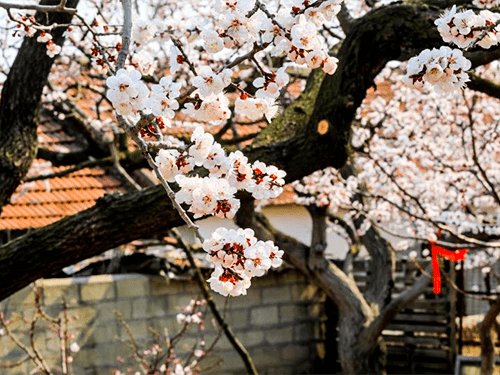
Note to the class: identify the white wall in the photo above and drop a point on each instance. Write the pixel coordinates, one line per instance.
(291, 219)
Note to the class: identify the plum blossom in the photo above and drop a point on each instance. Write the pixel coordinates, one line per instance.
(444, 68)
(212, 41)
(202, 144)
(465, 28)
(52, 48)
(238, 256)
(213, 108)
(162, 101)
(255, 108)
(44, 37)
(127, 92)
(208, 82)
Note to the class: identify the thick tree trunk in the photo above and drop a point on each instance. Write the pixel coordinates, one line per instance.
(19, 102)
(113, 221)
(487, 346)
(370, 360)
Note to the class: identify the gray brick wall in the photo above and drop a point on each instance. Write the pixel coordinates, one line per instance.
(279, 321)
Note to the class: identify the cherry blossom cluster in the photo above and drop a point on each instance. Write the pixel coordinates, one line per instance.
(28, 27)
(163, 357)
(52, 48)
(486, 3)
(215, 194)
(325, 188)
(294, 35)
(419, 167)
(190, 314)
(263, 103)
(465, 28)
(130, 95)
(445, 68)
(238, 256)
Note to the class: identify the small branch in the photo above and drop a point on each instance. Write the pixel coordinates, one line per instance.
(375, 329)
(116, 162)
(40, 361)
(345, 19)
(245, 356)
(63, 337)
(126, 33)
(18, 342)
(40, 8)
(480, 84)
(86, 164)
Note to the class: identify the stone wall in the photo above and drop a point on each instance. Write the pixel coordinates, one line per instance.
(279, 322)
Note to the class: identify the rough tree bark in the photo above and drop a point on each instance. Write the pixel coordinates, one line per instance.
(20, 99)
(487, 345)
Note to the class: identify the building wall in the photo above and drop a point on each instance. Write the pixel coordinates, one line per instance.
(279, 322)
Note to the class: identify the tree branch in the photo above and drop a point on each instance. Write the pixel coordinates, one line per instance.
(376, 327)
(487, 346)
(20, 100)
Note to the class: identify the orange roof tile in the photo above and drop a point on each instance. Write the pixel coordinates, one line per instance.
(43, 202)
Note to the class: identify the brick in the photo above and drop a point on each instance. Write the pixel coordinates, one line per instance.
(158, 307)
(160, 285)
(177, 301)
(231, 361)
(98, 289)
(294, 353)
(140, 308)
(251, 338)
(138, 329)
(280, 370)
(276, 294)
(82, 317)
(315, 310)
(266, 355)
(101, 334)
(53, 310)
(290, 313)
(16, 322)
(23, 297)
(269, 279)
(303, 292)
(55, 289)
(159, 325)
(291, 277)
(303, 332)
(106, 310)
(279, 335)
(237, 319)
(213, 365)
(106, 355)
(224, 344)
(261, 316)
(132, 286)
(252, 298)
(97, 357)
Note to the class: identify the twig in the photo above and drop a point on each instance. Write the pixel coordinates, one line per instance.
(40, 8)
(126, 34)
(205, 290)
(85, 164)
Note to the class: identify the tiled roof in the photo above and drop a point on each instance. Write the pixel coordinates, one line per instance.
(42, 202)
